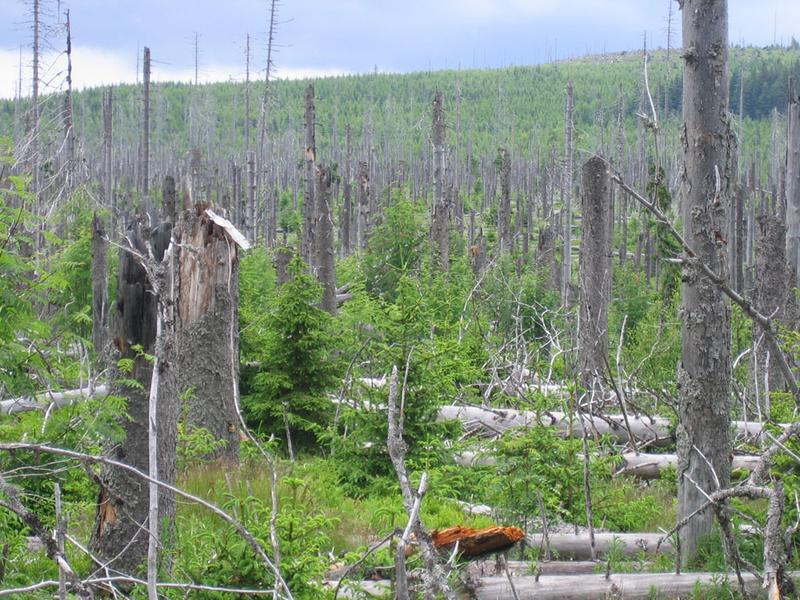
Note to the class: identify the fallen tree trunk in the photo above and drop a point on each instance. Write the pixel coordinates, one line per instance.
(656, 431)
(650, 466)
(44, 400)
(633, 586)
(477, 542)
(578, 547)
(518, 568)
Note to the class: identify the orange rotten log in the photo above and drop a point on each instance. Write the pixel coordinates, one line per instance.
(477, 542)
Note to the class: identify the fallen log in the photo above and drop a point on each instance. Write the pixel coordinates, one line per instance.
(578, 547)
(473, 543)
(517, 568)
(630, 586)
(45, 400)
(655, 431)
(650, 466)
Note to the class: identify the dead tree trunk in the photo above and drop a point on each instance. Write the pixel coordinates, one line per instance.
(793, 183)
(108, 164)
(704, 444)
(325, 259)
(120, 530)
(771, 291)
(145, 161)
(69, 130)
(440, 232)
(363, 204)
(99, 291)
(307, 245)
(347, 209)
(566, 191)
(208, 335)
(504, 210)
(595, 273)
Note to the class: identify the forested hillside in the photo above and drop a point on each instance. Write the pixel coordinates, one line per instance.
(518, 333)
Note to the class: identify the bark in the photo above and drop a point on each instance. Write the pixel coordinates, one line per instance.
(307, 244)
(145, 160)
(504, 210)
(99, 292)
(347, 209)
(325, 257)
(120, 534)
(704, 442)
(363, 204)
(283, 256)
(566, 191)
(771, 291)
(793, 183)
(595, 274)
(108, 165)
(208, 338)
(440, 233)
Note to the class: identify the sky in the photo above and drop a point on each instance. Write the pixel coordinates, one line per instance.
(332, 37)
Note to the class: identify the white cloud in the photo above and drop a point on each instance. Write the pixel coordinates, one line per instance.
(97, 67)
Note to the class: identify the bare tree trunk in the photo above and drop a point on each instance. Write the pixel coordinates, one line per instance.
(595, 274)
(120, 531)
(145, 166)
(440, 232)
(208, 335)
(99, 292)
(69, 130)
(566, 191)
(250, 212)
(504, 210)
(363, 204)
(704, 444)
(108, 163)
(771, 290)
(325, 259)
(307, 244)
(347, 209)
(793, 183)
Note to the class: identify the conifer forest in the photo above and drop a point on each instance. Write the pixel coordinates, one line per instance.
(507, 333)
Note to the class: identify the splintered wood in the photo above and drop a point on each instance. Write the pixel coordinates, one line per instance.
(477, 542)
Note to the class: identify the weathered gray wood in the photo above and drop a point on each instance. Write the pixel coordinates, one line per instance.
(99, 292)
(578, 547)
(504, 210)
(566, 193)
(325, 259)
(793, 182)
(704, 441)
(440, 231)
(307, 242)
(631, 586)
(595, 274)
(650, 466)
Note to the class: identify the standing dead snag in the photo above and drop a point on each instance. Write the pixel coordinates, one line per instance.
(99, 290)
(307, 243)
(504, 210)
(208, 335)
(121, 525)
(793, 182)
(595, 273)
(325, 259)
(704, 444)
(440, 232)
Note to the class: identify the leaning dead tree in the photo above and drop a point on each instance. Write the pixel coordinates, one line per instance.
(595, 273)
(208, 330)
(704, 444)
(143, 333)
